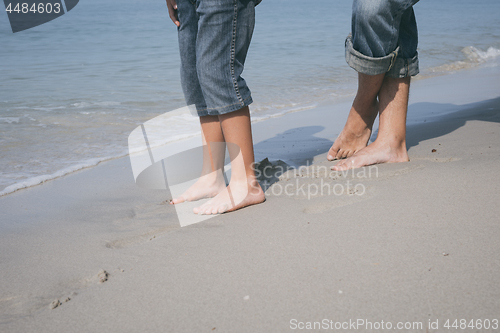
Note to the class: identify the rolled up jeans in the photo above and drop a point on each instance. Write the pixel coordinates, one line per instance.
(214, 37)
(384, 38)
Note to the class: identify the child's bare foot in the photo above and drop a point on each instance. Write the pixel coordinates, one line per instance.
(237, 195)
(356, 133)
(207, 186)
(376, 153)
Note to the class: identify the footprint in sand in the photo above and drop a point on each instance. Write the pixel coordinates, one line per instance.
(332, 202)
(102, 276)
(319, 180)
(56, 303)
(323, 189)
(144, 222)
(365, 181)
(139, 237)
(142, 214)
(437, 160)
(398, 169)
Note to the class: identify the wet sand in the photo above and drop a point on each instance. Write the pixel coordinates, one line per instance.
(409, 242)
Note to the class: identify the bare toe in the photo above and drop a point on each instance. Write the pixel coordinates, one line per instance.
(332, 153)
(338, 165)
(214, 211)
(178, 200)
(355, 134)
(339, 154)
(222, 209)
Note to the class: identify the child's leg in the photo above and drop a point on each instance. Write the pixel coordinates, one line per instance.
(243, 189)
(221, 31)
(211, 181)
(224, 35)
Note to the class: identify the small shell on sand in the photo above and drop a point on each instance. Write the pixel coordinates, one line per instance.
(55, 304)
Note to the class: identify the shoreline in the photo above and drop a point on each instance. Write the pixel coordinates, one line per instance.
(94, 162)
(421, 242)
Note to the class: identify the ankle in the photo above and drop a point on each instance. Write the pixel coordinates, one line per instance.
(392, 140)
(250, 182)
(212, 179)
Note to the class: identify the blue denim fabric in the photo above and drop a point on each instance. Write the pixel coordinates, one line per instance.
(214, 37)
(384, 38)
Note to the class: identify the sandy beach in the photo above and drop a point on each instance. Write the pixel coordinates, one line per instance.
(412, 242)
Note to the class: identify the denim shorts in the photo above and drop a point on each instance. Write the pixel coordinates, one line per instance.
(384, 38)
(214, 37)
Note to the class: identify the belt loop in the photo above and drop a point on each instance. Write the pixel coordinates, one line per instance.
(394, 55)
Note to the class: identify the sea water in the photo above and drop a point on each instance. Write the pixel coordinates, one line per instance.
(72, 90)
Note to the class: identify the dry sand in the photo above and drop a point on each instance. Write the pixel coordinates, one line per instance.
(415, 241)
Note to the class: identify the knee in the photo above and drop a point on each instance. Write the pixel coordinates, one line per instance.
(204, 72)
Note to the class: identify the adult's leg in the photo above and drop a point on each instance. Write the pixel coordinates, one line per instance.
(243, 189)
(364, 110)
(384, 41)
(390, 145)
(368, 49)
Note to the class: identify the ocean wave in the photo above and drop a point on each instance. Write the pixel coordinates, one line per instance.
(474, 57)
(46, 108)
(10, 120)
(182, 127)
(256, 117)
(30, 182)
(93, 104)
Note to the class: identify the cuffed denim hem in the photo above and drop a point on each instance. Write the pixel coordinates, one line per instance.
(391, 64)
(404, 67)
(204, 111)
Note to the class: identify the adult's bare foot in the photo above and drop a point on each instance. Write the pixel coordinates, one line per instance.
(207, 186)
(237, 195)
(356, 133)
(376, 153)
